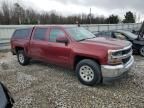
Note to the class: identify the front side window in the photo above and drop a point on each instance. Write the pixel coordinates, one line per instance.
(55, 33)
(108, 34)
(40, 33)
(105, 34)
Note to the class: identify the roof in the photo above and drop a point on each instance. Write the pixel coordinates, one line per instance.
(64, 26)
(114, 31)
(31, 26)
(120, 30)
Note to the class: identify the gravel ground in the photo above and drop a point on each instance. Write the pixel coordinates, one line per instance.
(41, 85)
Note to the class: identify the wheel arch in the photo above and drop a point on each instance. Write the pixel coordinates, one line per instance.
(78, 58)
(17, 48)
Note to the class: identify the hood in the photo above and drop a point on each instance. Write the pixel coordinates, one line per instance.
(139, 42)
(109, 43)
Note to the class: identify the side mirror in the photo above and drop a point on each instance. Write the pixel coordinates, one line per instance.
(62, 39)
(6, 100)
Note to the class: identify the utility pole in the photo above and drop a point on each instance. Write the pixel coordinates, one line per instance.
(90, 15)
(18, 11)
(139, 18)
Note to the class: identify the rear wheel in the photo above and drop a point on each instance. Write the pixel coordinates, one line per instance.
(142, 51)
(88, 72)
(22, 58)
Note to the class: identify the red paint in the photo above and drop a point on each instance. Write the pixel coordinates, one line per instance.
(64, 54)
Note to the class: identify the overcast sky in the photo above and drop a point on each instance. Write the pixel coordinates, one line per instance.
(99, 7)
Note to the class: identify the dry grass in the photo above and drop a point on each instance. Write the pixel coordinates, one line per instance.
(40, 85)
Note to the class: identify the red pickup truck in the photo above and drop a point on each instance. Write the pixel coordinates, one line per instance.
(94, 59)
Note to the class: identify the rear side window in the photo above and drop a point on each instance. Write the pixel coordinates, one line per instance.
(119, 36)
(22, 33)
(40, 33)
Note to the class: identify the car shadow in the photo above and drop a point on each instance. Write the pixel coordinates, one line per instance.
(70, 73)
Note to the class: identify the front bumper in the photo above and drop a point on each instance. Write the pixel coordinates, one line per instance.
(115, 72)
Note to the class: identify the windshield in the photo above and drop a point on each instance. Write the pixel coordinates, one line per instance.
(79, 33)
(131, 35)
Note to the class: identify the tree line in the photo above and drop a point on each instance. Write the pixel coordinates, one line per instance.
(16, 14)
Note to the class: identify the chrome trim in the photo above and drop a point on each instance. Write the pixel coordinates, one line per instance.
(123, 56)
(125, 48)
(115, 71)
(120, 50)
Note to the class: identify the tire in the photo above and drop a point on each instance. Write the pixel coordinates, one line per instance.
(141, 51)
(22, 58)
(88, 72)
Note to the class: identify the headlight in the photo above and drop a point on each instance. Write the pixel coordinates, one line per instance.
(111, 57)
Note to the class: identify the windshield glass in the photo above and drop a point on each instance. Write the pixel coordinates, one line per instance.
(131, 35)
(79, 33)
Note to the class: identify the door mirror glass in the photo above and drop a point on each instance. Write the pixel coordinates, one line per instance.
(62, 39)
(6, 100)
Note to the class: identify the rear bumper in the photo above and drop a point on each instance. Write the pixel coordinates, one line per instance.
(110, 73)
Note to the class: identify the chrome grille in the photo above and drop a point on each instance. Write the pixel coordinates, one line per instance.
(126, 51)
(126, 59)
(125, 54)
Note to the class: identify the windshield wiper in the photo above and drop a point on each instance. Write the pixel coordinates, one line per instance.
(86, 39)
(81, 40)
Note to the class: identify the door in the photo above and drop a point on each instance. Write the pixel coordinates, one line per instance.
(39, 43)
(58, 53)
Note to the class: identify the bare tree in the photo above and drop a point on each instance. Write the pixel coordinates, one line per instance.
(17, 14)
(6, 12)
(1, 17)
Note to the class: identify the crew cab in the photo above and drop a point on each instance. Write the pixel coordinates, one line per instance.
(94, 59)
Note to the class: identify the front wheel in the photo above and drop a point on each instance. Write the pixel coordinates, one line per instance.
(142, 51)
(88, 72)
